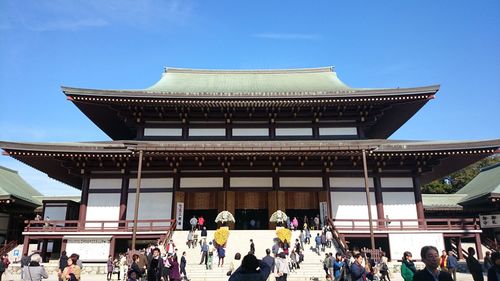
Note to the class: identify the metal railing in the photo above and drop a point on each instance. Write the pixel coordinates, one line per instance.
(406, 224)
(98, 226)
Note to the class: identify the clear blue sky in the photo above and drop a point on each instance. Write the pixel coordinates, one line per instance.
(124, 44)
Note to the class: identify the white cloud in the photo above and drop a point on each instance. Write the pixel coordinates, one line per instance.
(84, 14)
(287, 36)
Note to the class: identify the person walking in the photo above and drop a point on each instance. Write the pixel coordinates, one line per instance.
(443, 261)
(211, 251)
(234, 264)
(190, 239)
(281, 268)
(173, 273)
(408, 268)
(487, 263)
(109, 266)
(384, 269)
(452, 265)
(431, 272)
(475, 268)
(155, 266)
(123, 266)
(204, 253)
(193, 221)
(358, 271)
(183, 266)
(203, 235)
(221, 253)
(326, 264)
(494, 270)
(34, 271)
(317, 240)
(338, 267)
(267, 259)
(72, 271)
(252, 247)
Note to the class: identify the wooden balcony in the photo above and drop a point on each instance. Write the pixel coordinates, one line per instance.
(343, 225)
(118, 226)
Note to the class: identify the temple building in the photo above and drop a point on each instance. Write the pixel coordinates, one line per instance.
(251, 142)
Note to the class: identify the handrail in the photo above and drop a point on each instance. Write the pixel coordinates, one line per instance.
(407, 224)
(169, 233)
(7, 247)
(97, 225)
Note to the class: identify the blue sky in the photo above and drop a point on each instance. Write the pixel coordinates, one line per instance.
(124, 44)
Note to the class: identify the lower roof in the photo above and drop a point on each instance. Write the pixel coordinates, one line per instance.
(453, 155)
(12, 185)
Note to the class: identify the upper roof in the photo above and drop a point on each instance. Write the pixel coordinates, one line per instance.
(12, 185)
(485, 184)
(179, 80)
(284, 83)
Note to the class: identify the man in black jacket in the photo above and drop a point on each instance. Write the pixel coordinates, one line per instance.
(430, 257)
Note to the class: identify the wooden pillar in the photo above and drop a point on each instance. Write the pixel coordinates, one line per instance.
(459, 248)
(112, 247)
(124, 198)
(64, 242)
(26, 244)
(272, 206)
(379, 201)
(231, 205)
(137, 198)
(140, 132)
(84, 201)
(479, 249)
(326, 186)
(45, 243)
(368, 201)
(418, 201)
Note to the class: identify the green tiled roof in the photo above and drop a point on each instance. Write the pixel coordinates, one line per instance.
(11, 184)
(484, 184)
(178, 80)
(442, 201)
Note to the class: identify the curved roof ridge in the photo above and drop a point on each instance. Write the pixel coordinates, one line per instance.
(250, 71)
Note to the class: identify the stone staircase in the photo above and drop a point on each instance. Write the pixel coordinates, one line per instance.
(239, 241)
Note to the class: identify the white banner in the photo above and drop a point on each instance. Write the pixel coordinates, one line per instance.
(323, 212)
(180, 215)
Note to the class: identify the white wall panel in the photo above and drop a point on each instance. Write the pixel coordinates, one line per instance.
(162, 132)
(105, 184)
(294, 132)
(152, 206)
(250, 182)
(400, 205)
(301, 182)
(253, 132)
(201, 182)
(103, 207)
(152, 183)
(205, 132)
(352, 205)
(350, 182)
(396, 182)
(339, 131)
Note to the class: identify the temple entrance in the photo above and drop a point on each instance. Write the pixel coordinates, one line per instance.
(200, 204)
(302, 205)
(251, 210)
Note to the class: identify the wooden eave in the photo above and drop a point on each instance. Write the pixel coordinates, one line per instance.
(100, 106)
(51, 158)
(354, 95)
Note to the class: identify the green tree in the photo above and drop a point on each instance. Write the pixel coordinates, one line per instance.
(457, 180)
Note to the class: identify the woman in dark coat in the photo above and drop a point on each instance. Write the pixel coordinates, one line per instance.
(174, 273)
(155, 266)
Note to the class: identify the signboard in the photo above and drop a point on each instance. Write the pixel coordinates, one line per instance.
(490, 221)
(413, 242)
(323, 212)
(180, 215)
(90, 248)
(16, 253)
